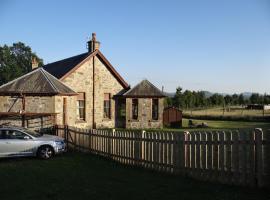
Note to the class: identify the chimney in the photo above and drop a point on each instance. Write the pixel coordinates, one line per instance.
(34, 63)
(93, 44)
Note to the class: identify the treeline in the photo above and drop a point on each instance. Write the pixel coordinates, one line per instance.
(197, 99)
(16, 60)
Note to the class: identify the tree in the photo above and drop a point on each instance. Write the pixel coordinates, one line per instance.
(177, 99)
(228, 100)
(217, 99)
(234, 99)
(254, 98)
(15, 61)
(241, 99)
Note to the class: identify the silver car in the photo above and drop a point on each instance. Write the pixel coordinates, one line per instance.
(16, 142)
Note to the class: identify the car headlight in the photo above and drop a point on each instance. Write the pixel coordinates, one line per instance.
(59, 143)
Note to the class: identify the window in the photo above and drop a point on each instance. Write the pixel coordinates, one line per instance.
(12, 134)
(134, 108)
(81, 106)
(155, 109)
(2, 134)
(107, 106)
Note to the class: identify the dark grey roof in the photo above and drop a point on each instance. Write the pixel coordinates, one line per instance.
(62, 67)
(37, 83)
(144, 89)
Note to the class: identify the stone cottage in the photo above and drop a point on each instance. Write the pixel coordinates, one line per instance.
(98, 96)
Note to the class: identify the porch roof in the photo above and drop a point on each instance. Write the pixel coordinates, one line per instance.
(36, 83)
(143, 90)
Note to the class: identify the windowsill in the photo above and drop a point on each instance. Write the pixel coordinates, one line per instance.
(80, 121)
(133, 120)
(106, 119)
(154, 120)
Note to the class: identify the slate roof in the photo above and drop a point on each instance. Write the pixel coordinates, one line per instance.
(62, 68)
(144, 89)
(37, 83)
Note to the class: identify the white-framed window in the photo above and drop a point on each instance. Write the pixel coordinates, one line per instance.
(81, 106)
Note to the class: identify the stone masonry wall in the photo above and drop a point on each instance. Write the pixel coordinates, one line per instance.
(32, 104)
(145, 120)
(81, 80)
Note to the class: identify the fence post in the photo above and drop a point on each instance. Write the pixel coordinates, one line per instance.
(143, 144)
(267, 158)
(258, 156)
(66, 134)
(109, 143)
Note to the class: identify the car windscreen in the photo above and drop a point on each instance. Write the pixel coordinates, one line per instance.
(32, 133)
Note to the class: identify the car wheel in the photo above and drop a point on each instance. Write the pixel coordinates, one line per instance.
(45, 152)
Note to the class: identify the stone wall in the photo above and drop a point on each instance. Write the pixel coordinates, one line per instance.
(144, 120)
(32, 104)
(81, 80)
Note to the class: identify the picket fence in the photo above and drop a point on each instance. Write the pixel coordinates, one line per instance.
(235, 157)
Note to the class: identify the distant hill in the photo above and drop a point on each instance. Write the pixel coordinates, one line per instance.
(209, 94)
(247, 94)
(169, 94)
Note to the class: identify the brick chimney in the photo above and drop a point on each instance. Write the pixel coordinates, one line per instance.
(93, 44)
(34, 63)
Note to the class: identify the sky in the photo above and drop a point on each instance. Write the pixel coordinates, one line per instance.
(214, 45)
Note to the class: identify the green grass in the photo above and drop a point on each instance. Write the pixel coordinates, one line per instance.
(234, 111)
(217, 124)
(83, 176)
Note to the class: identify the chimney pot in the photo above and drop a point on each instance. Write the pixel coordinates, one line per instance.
(93, 44)
(34, 63)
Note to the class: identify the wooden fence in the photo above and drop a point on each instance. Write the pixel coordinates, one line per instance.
(230, 157)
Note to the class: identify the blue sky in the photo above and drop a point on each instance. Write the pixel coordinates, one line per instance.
(215, 45)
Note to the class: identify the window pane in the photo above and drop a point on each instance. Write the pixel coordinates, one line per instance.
(107, 109)
(15, 135)
(155, 109)
(2, 134)
(81, 109)
(134, 108)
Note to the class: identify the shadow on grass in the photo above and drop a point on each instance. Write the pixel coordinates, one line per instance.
(84, 176)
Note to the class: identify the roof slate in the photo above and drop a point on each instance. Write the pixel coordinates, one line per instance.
(37, 83)
(144, 89)
(62, 67)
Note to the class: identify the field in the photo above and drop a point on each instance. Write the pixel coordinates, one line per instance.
(83, 176)
(219, 124)
(234, 111)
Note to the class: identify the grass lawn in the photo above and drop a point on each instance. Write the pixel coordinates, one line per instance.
(217, 124)
(82, 176)
(236, 111)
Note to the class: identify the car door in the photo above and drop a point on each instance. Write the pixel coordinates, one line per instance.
(19, 143)
(3, 143)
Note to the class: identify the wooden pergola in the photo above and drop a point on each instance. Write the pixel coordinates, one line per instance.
(38, 83)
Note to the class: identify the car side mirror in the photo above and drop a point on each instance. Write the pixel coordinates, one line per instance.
(26, 137)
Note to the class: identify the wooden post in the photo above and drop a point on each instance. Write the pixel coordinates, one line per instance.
(258, 157)
(66, 135)
(23, 110)
(235, 157)
(267, 158)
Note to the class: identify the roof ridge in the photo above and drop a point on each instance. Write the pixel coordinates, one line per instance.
(20, 77)
(131, 89)
(154, 86)
(56, 79)
(138, 91)
(47, 78)
(66, 58)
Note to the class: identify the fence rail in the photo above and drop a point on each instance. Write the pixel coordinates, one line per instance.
(230, 157)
